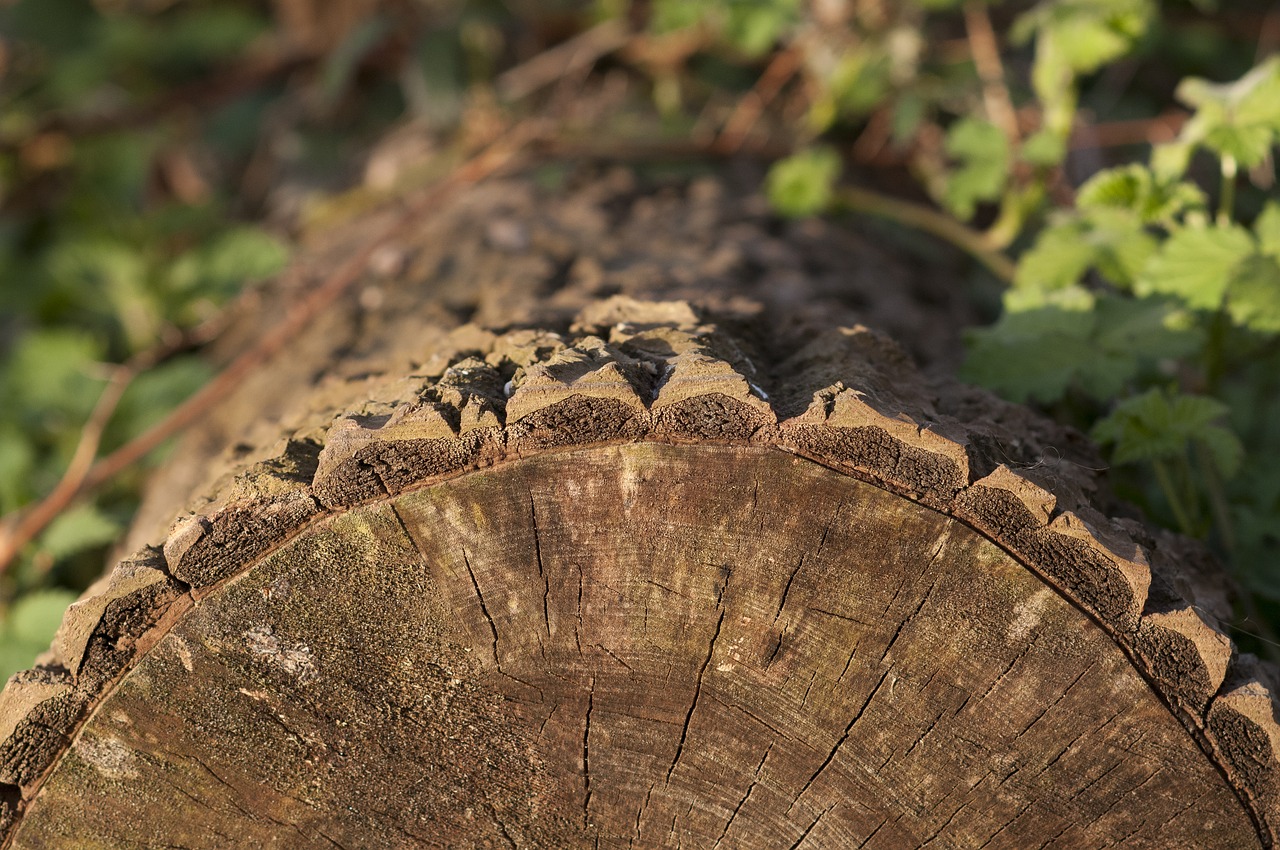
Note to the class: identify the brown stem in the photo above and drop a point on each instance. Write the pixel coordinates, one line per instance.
(780, 69)
(578, 53)
(985, 50)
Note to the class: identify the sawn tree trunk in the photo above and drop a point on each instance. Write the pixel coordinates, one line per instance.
(600, 522)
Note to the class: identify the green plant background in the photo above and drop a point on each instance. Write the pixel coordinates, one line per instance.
(148, 149)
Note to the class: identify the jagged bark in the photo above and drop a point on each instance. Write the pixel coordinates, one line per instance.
(660, 574)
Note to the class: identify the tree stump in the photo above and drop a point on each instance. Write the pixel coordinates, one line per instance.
(645, 570)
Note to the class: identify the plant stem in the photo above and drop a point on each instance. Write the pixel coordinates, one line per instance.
(1227, 201)
(1217, 498)
(1165, 477)
(920, 217)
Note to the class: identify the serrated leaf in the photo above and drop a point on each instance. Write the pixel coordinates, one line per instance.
(1253, 297)
(1137, 189)
(982, 152)
(1159, 425)
(1239, 119)
(1031, 354)
(803, 183)
(1121, 245)
(1059, 258)
(78, 529)
(1196, 265)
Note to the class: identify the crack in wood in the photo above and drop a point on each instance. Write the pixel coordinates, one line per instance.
(810, 828)
(542, 573)
(857, 715)
(697, 691)
(754, 782)
(586, 755)
(484, 609)
(786, 590)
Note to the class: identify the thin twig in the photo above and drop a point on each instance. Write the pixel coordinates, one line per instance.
(1111, 134)
(578, 53)
(931, 221)
(780, 69)
(986, 58)
(21, 529)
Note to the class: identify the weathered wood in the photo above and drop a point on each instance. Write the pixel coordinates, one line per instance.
(660, 575)
(640, 644)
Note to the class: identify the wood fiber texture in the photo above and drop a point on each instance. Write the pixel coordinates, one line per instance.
(662, 574)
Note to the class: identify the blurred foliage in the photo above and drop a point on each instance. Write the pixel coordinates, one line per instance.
(155, 153)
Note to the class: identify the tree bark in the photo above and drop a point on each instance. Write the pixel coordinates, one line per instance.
(660, 549)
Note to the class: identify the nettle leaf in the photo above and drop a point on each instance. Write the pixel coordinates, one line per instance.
(1196, 264)
(29, 626)
(1032, 353)
(1253, 296)
(78, 529)
(217, 270)
(982, 152)
(1267, 229)
(1133, 336)
(1239, 119)
(1137, 189)
(1059, 257)
(1111, 240)
(155, 392)
(1085, 33)
(52, 370)
(803, 183)
(1159, 425)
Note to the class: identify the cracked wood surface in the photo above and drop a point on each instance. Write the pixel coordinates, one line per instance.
(706, 646)
(636, 572)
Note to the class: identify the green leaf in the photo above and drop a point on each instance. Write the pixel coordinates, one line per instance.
(1120, 244)
(29, 626)
(1253, 297)
(1111, 240)
(1267, 229)
(78, 529)
(17, 460)
(983, 155)
(755, 26)
(220, 268)
(154, 393)
(1160, 425)
(1085, 33)
(1044, 148)
(1133, 337)
(1196, 264)
(1239, 119)
(52, 370)
(1137, 189)
(1034, 353)
(1059, 258)
(803, 183)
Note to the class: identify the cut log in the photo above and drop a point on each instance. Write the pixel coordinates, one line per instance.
(654, 579)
